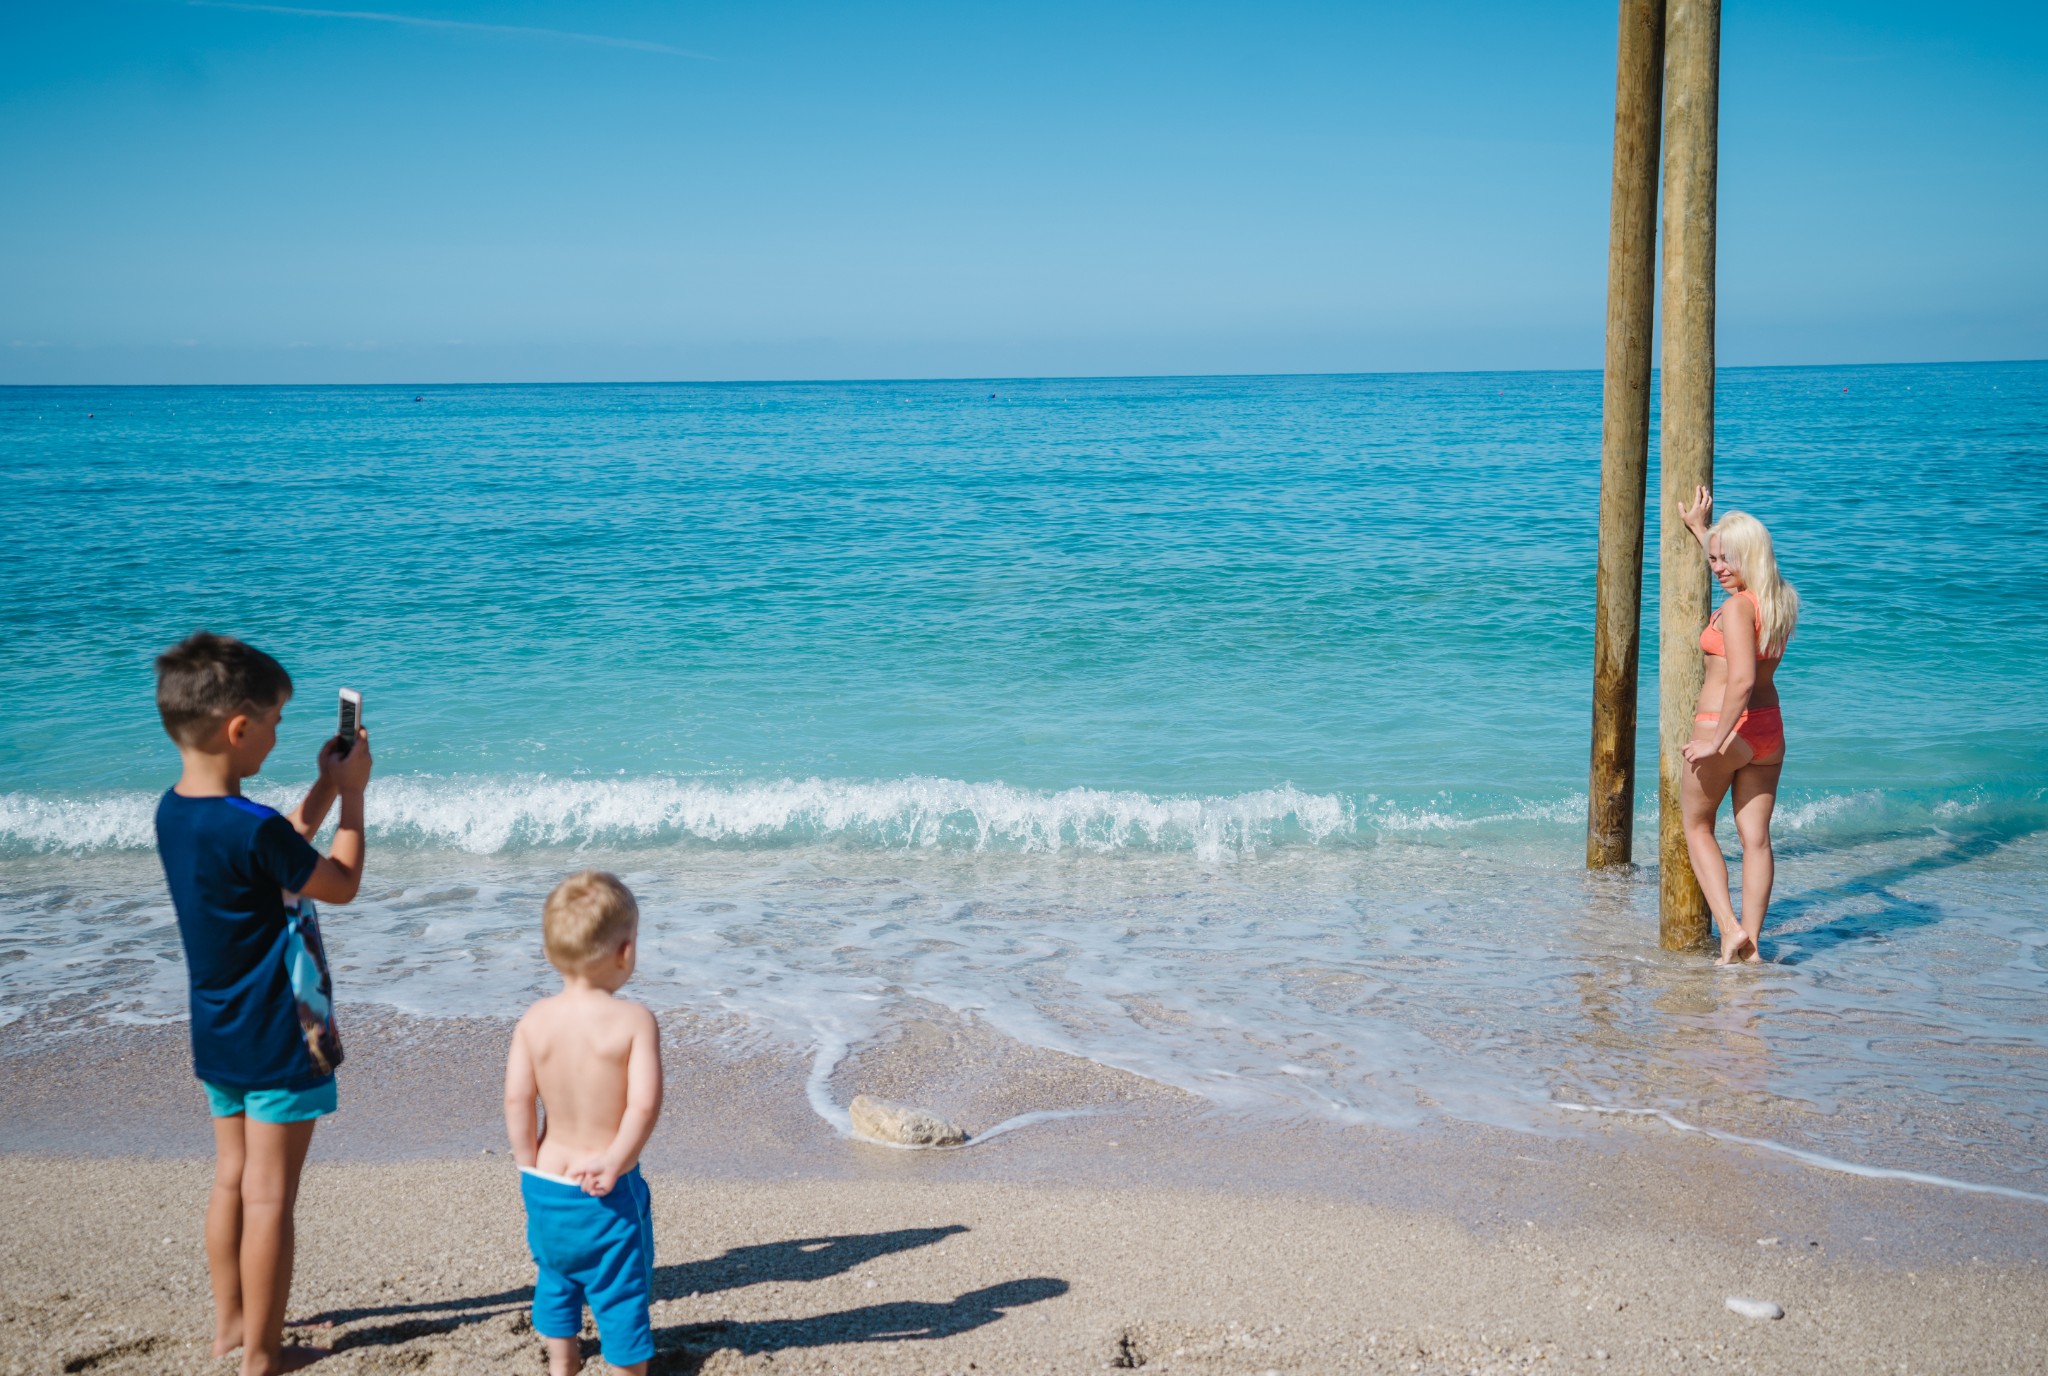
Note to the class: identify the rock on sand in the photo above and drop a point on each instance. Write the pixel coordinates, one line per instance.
(1755, 1309)
(901, 1124)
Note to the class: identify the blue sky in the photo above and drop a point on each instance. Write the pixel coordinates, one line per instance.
(525, 191)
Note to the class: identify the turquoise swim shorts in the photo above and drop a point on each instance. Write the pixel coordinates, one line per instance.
(595, 1251)
(271, 1105)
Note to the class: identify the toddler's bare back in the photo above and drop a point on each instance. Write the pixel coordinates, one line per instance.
(580, 1042)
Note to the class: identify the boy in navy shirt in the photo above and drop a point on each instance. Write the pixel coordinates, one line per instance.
(263, 1037)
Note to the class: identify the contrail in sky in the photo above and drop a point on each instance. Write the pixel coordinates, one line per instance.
(603, 40)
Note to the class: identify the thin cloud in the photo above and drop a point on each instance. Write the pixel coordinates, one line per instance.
(418, 21)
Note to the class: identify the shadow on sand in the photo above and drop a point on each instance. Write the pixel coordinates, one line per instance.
(684, 1348)
(803, 1258)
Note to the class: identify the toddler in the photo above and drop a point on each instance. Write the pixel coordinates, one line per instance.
(594, 1062)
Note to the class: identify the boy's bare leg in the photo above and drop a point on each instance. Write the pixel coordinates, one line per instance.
(565, 1356)
(224, 1235)
(274, 1155)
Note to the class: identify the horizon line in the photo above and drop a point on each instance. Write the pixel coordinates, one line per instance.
(1027, 377)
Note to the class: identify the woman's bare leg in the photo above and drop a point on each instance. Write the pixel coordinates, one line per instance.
(224, 1235)
(1702, 787)
(1756, 797)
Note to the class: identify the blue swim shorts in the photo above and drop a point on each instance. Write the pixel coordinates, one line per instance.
(592, 1250)
(271, 1105)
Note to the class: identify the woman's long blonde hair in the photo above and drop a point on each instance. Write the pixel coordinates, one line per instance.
(1747, 545)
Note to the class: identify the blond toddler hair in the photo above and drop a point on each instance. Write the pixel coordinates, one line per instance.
(589, 915)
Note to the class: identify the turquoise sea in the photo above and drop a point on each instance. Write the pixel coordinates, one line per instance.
(1231, 731)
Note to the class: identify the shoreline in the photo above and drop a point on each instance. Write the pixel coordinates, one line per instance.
(743, 1111)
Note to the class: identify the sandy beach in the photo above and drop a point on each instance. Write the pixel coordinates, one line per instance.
(1151, 1231)
(419, 1267)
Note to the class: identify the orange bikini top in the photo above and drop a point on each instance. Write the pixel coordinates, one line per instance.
(1714, 644)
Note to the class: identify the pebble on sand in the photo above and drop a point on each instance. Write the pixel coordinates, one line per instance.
(901, 1124)
(1755, 1309)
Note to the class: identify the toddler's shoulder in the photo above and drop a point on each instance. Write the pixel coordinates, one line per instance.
(540, 1010)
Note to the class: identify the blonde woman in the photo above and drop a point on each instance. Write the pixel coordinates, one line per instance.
(1738, 736)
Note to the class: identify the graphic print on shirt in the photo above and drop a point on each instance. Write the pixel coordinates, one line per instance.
(312, 987)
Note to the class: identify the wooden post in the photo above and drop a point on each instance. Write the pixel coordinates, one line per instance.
(1625, 433)
(1692, 100)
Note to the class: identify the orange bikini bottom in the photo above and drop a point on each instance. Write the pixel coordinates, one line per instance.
(1762, 727)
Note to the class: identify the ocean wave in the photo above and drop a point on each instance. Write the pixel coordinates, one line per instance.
(487, 814)
(483, 816)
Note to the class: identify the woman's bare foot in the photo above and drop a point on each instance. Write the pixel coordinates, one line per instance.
(226, 1338)
(1742, 951)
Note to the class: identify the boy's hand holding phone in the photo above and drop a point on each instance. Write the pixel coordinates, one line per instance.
(345, 759)
(347, 769)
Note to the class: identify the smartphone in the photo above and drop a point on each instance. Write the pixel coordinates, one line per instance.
(351, 717)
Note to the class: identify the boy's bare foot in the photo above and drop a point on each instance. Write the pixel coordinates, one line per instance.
(565, 1356)
(290, 1357)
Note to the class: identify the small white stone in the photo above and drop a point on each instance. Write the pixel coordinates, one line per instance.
(1754, 1309)
(1767, 1242)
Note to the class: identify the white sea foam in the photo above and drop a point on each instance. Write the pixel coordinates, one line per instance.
(832, 1047)
(1806, 815)
(1814, 1158)
(107, 821)
(490, 814)
(485, 815)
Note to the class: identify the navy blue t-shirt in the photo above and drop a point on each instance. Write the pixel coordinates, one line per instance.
(228, 862)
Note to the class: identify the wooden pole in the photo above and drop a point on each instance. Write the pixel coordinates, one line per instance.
(1692, 100)
(1625, 433)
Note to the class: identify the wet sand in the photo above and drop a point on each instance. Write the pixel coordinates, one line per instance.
(1152, 1230)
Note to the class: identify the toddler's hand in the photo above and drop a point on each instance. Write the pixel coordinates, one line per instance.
(352, 770)
(596, 1175)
